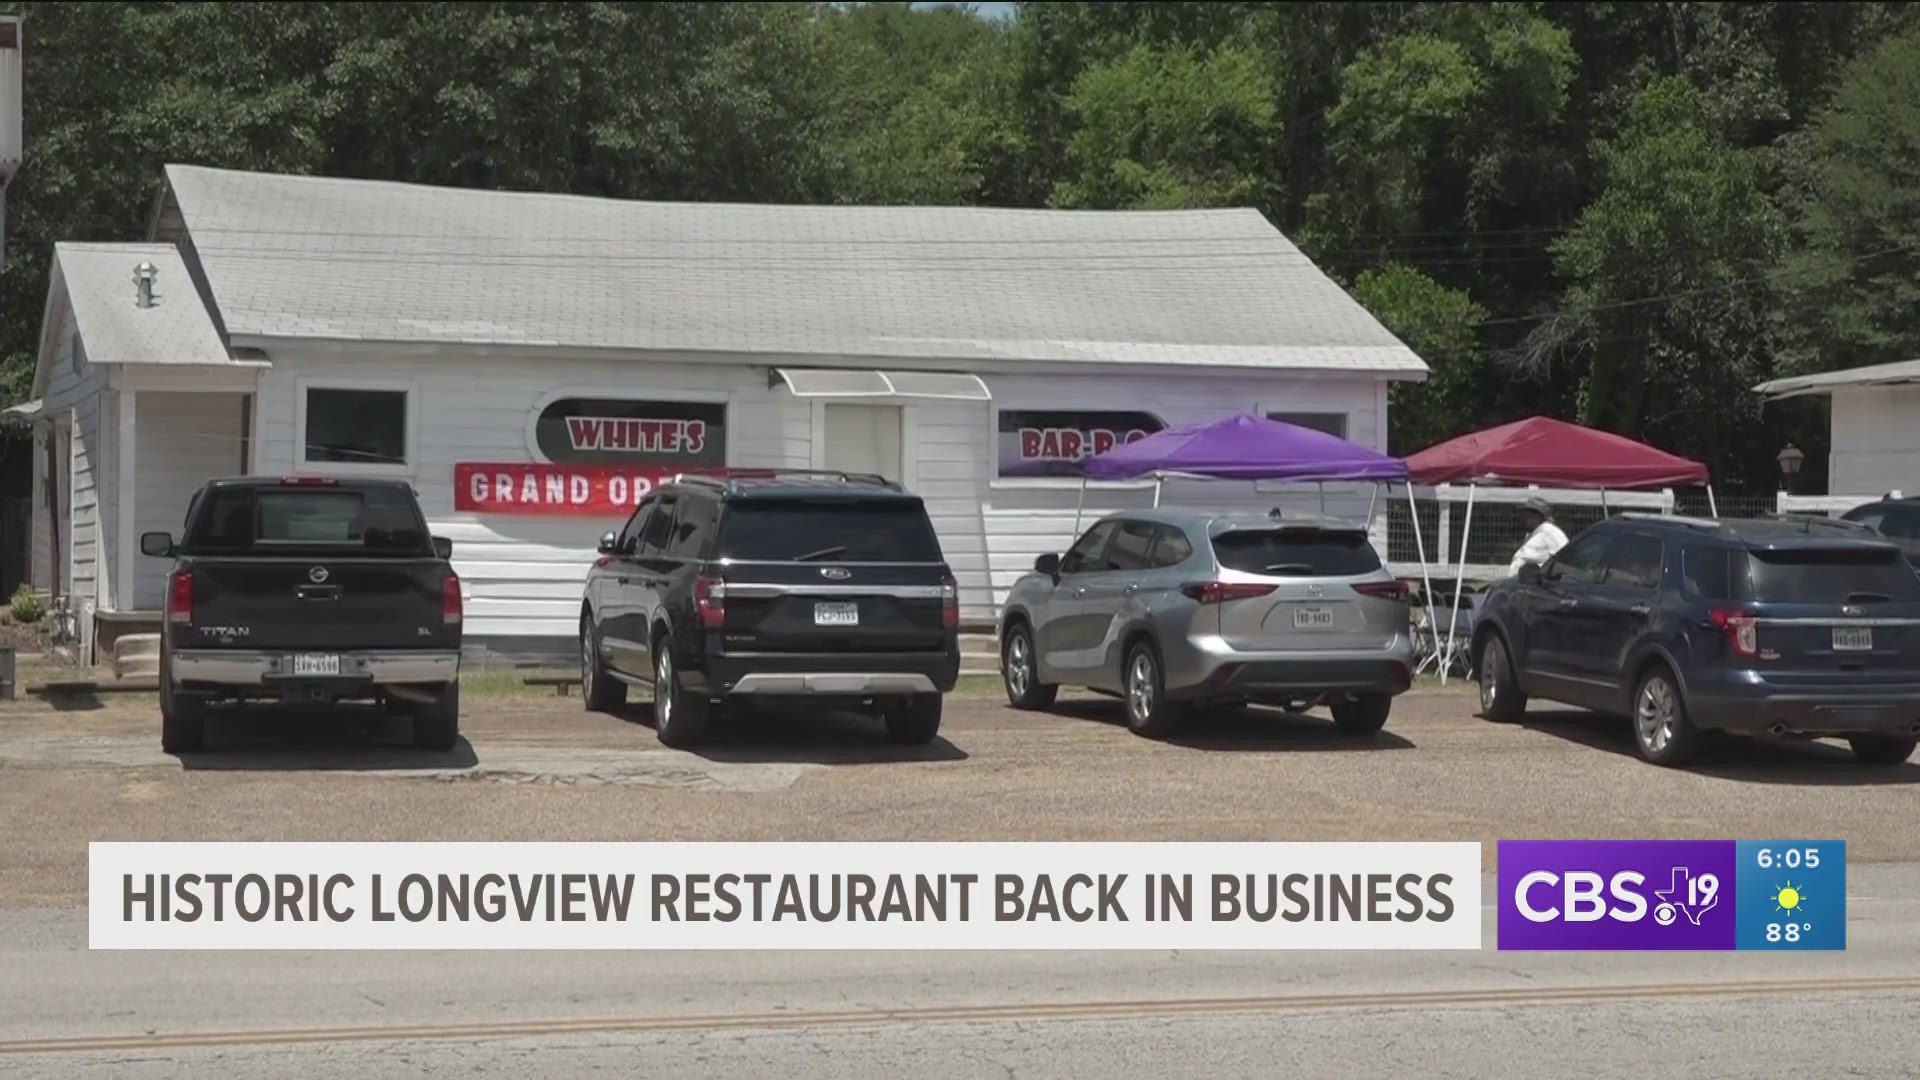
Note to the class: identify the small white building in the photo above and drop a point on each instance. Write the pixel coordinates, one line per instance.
(1874, 428)
(533, 363)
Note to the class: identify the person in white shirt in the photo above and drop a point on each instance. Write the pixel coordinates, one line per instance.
(1543, 536)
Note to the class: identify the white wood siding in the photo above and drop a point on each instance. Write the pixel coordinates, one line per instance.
(523, 574)
(1876, 442)
(75, 389)
(183, 441)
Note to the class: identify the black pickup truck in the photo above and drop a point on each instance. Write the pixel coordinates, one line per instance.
(308, 590)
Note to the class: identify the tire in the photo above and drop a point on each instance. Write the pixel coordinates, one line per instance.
(1882, 749)
(183, 718)
(599, 691)
(679, 718)
(436, 724)
(1501, 698)
(1364, 716)
(1661, 730)
(1144, 689)
(1020, 671)
(916, 721)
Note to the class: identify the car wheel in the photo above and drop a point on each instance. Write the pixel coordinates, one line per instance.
(1882, 749)
(1149, 713)
(183, 718)
(1020, 671)
(1500, 695)
(916, 721)
(436, 724)
(1661, 730)
(1364, 716)
(600, 691)
(679, 718)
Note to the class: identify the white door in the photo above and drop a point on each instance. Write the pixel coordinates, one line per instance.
(864, 438)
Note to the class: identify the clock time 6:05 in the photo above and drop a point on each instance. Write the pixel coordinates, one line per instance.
(1789, 858)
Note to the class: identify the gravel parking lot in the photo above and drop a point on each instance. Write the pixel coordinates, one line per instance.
(541, 768)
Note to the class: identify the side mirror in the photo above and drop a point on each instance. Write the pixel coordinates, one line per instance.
(442, 548)
(1047, 564)
(157, 544)
(1529, 574)
(609, 543)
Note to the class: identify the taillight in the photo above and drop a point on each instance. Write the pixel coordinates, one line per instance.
(451, 608)
(1385, 590)
(1219, 592)
(710, 601)
(950, 603)
(180, 597)
(1742, 629)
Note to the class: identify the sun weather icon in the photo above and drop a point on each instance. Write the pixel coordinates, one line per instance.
(1790, 899)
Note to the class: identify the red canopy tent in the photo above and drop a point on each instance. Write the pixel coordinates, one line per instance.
(1550, 453)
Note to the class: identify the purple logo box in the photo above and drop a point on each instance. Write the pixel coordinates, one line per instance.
(1605, 895)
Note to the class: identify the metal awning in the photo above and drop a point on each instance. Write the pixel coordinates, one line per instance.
(26, 410)
(1900, 373)
(861, 382)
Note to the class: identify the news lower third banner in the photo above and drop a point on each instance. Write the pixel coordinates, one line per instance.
(1672, 894)
(785, 896)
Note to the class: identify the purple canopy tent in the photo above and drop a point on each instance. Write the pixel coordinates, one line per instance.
(1250, 447)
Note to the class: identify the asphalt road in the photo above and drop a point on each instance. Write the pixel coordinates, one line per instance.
(542, 769)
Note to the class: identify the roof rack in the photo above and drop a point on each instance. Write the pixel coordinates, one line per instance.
(1673, 519)
(730, 479)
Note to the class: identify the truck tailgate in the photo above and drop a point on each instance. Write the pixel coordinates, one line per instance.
(335, 605)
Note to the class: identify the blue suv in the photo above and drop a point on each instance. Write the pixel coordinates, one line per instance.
(1800, 627)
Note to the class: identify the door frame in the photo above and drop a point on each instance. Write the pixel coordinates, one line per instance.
(909, 477)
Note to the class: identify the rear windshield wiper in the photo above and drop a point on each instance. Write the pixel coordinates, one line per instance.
(1297, 567)
(1865, 597)
(821, 554)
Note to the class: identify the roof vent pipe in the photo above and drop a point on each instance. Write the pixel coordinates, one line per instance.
(143, 276)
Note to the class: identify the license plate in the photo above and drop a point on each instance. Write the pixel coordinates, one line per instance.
(1312, 618)
(1852, 639)
(836, 614)
(316, 664)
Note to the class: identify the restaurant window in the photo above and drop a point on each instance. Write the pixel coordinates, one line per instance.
(349, 426)
(1333, 423)
(1038, 443)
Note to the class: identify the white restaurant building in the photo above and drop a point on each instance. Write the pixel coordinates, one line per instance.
(532, 363)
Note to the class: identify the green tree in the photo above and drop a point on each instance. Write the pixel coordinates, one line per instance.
(1441, 325)
(1669, 316)
(1854, 273)
(1169, 127)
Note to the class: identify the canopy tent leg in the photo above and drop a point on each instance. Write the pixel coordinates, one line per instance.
(1157, 481)
(1459, 580)
(1426, 578)
(1373, 499)
(1322, 486)
(1713, 508)
(1603, 502)
(1078, 505)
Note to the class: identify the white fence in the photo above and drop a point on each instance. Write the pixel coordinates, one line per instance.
(1830, 505)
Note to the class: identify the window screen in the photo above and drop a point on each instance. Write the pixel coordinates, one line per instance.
(366, 427)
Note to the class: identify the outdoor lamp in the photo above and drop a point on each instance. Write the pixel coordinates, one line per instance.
(1789, 460)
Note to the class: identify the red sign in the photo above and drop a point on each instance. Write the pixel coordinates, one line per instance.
(529, 488)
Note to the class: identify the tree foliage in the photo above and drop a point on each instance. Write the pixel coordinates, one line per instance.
(1628, 213)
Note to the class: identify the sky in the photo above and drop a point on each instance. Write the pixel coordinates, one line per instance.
(991, 11)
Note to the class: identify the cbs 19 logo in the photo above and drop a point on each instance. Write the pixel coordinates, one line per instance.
(1583, 896)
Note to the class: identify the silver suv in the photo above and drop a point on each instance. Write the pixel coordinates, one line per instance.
(1178, 609)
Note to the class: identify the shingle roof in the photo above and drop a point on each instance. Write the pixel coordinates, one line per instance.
(310, 257)
(98, 279)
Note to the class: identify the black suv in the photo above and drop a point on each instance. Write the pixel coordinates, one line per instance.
(1803, 627)
(824, 587)
(1896, 519)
